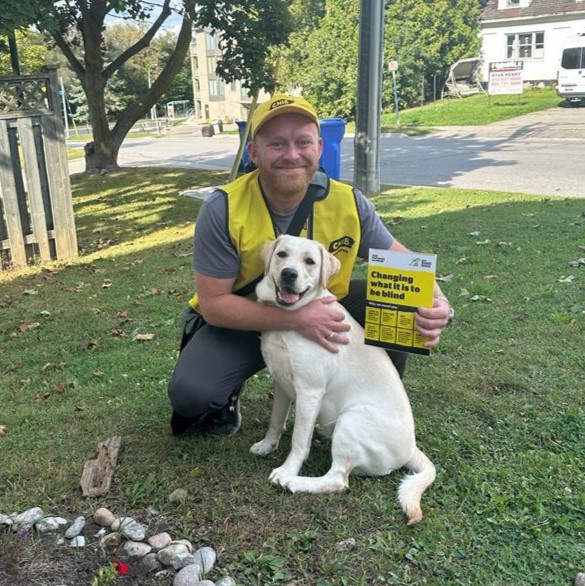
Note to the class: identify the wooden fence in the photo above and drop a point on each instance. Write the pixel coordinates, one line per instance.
(36, 209)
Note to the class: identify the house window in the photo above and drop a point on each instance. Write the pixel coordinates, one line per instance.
(525, 46)
(211, 41)
(216, 88)
(211, 65)
(512, 3)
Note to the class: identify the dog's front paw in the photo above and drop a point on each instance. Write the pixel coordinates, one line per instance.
(264, 447)
(282, 476)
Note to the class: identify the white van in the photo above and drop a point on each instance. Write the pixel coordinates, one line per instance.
(571, 75)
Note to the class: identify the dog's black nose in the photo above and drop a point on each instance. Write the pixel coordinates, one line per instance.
(289, 275)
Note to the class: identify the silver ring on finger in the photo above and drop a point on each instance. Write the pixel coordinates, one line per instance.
(330, 336)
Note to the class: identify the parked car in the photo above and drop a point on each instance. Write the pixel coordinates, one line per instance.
(571, 74)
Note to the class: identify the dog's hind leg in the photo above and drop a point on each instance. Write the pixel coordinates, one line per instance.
(413, 486)
(280, 409)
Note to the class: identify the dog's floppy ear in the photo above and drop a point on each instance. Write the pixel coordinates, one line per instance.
(329, 266)
(266, 251)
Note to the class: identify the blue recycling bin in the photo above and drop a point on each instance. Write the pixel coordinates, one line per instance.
(246, 155)
(332, 131)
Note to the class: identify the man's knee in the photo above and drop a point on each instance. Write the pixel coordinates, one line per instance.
(191, 397)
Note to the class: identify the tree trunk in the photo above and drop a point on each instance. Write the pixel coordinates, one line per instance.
(102, 153)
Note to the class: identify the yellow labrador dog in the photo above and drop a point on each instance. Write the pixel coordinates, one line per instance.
(355, 397)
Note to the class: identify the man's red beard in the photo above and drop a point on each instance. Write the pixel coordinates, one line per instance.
(290, 184)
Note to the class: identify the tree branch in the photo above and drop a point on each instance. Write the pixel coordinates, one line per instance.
(138, 108)
(139, 45)
(69, 55)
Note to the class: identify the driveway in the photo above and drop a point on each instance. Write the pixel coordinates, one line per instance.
(541, 153)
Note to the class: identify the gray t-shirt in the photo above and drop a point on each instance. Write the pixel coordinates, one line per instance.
(215, 256)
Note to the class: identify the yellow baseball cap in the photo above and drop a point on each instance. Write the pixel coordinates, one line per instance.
(281, 104)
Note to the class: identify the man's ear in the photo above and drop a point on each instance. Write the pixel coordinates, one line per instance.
(252, 152)
(266, 252)
(329, 266)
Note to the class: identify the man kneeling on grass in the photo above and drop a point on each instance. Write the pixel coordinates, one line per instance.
(287, 193)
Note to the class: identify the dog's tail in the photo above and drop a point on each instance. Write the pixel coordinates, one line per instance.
(413, 486)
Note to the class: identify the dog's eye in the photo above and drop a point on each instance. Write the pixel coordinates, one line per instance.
(281, 254)
(309, 261)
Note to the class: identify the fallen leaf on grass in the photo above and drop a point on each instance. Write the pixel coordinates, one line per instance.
(536, 226)
(31, 291)
(24, 327)
(97, 373)
(464, 293)
(53, 365)
(461, 261)
(117, 333)
(95, 310)
(12, 367)
(480, 298)
(482, 242)
(122, 314)
(505, 243)
(475, 233)
(143, 337)
(568, 279)
(80, 407)
(577, 262)
(445, 278)
(2, 430)
(107, 283)
(488, 277)
(42, 396)
(87, 344)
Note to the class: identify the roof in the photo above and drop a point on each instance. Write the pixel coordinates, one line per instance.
(536, 8)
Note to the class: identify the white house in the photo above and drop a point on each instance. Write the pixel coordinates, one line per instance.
(532, 31)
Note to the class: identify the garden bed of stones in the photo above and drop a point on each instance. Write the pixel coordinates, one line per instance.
(49, 550)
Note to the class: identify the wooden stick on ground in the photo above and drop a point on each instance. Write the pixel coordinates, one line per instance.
(96, 477)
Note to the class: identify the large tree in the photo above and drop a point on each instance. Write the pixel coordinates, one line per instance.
(247, 29)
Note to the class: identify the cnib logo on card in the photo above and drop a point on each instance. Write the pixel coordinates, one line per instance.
(345, 242)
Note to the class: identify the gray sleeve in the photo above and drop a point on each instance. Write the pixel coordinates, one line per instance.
(374, 233)
(213, 251)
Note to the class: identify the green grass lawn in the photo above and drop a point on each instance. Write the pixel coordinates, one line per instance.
(499, 406)
(471, 111)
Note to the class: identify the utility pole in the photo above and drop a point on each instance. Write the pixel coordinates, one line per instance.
(369, 97)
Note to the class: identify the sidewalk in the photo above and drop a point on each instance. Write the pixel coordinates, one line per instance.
(557, 123)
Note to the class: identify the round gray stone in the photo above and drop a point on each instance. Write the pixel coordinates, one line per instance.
(76, 528)
(205, 557)
(188, 576)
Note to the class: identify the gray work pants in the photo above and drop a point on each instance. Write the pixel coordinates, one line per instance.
(214, 362)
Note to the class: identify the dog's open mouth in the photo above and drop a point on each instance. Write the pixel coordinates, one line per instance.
(286, 296)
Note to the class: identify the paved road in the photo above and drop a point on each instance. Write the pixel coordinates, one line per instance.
(541, 153)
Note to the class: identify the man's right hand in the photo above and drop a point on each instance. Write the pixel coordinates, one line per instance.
(323, 323)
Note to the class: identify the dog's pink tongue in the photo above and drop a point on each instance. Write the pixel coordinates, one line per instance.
(288, 297)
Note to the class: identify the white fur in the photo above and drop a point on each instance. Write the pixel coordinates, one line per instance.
(355, 397)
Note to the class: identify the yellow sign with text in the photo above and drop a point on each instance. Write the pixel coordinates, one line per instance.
(398, 283)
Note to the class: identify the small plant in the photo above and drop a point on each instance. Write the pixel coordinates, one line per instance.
(109, 574)
(106, 575)
(262, 568)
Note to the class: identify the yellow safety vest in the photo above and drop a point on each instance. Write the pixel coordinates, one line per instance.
(335, 223)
